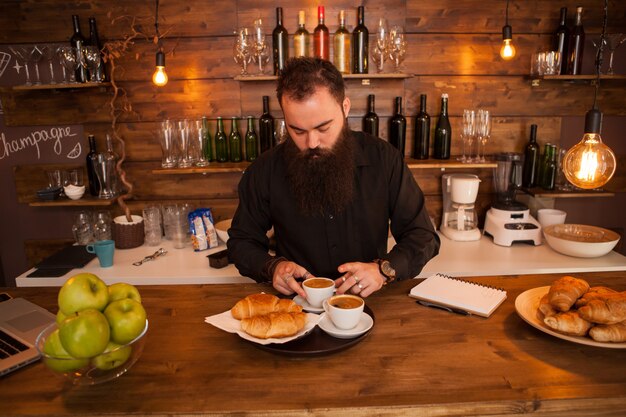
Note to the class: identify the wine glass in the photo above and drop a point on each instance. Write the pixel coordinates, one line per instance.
(379, 53)
(613, 41)
(49, 52)
(93, 62)
(260, 47)
(242, 49)
(483, 132)
(468, 132)
(21, 55)
(67, 56)
(281, 133)
(34, 57)
(396, 46)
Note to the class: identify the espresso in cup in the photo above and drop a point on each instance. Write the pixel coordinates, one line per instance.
(317, 290)
(344, 310)
(346, 302)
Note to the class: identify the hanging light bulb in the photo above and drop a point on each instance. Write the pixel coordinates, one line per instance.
(590, 163)
(159, 78)
(507, 51)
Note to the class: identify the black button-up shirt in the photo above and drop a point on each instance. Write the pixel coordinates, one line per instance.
(386, 195)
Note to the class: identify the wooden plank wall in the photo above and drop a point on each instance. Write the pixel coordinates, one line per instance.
(453, 48)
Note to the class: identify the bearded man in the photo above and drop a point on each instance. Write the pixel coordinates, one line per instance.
(331, 194)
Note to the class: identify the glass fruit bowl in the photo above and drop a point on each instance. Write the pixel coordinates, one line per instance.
(90, 371)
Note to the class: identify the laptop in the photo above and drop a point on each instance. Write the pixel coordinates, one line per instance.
(20, 323)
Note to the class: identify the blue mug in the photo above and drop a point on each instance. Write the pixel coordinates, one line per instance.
(104, 251)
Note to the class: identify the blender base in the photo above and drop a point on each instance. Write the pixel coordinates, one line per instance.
(507, 227)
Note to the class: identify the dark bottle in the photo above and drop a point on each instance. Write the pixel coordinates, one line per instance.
(221, 142)
(301, 37)
(94, 185)
(397, 127)
(266, 126)
(360, 44)
(577, 44)
(443, 132)
(549, 170)
(234, 139)
(280, 43)
(94, 40)
(561, 40)
(421, 144)
(321, 37)
(251, 141)
(531, 160)
(543, 161)
(206, 139)
(78, 41)
(370, 120)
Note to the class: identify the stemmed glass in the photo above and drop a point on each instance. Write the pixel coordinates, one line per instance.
(34, 57)
(281, 133)
(67, 56)
(483, 132)
(260, 47)
(242, 49)
(48, 53)
(613, 41)
(396, 46)
(468, 132)
(93, 62)
(380, 51)
(22, 55)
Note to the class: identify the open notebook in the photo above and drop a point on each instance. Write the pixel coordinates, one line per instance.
(455, 293)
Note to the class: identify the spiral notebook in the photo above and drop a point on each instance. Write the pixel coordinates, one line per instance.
(451, 292)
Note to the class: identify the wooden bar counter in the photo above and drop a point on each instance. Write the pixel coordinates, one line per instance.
(416, 361)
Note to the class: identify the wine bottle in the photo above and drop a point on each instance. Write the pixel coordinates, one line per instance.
(221, 142)
(543, 161)
(266, 126)
(370, 120)
(251, 141)
(94, 185)
(234, 139)
(94, 40)
(341, 44)
(78, 41)
(421, 144)
(360, 44)
(112, 158)
(549, 171)
(577, 44)
(280, 43)
(301, 37)
(531, 160)
(443, 132)
(397, 127)
(321, 37)
(206, 139)
(561, 40)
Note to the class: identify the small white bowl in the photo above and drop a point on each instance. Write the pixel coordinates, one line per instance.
(74, 192)
(580, 240)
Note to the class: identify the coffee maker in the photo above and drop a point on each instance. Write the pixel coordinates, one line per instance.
(459, 221)
(509, 220)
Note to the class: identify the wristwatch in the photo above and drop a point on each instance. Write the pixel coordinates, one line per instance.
(386, 270)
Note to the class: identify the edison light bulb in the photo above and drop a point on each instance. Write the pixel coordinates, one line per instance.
(159, 78)
(590, 163)
(508, 50)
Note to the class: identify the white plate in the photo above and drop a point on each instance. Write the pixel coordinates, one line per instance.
(306, 306)
(364, 325)
(527, 304)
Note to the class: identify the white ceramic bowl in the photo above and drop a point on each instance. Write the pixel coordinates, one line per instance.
(580, 240)
(74, 192)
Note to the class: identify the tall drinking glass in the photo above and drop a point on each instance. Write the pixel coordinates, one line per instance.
(169, 146)
(468, 132)
(199, 144)
(483, 132)
(184, 144)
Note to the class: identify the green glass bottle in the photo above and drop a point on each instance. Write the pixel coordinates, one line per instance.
(443, 132)
(251, 141)
(207, 145)
(221, 142)
(549, 171)
(234, 139)
(543, 161)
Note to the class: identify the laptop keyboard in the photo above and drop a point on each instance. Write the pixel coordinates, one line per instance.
(9, 346)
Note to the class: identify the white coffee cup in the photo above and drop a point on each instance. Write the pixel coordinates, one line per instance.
(548, 217)
(344, 310)
(317, 290)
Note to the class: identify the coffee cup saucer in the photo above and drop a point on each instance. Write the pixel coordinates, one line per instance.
(306, 306)
(365, 323)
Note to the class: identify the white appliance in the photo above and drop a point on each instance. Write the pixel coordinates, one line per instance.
(459, 221)
(508, 220)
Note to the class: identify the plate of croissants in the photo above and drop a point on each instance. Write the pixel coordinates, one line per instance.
(572, 310)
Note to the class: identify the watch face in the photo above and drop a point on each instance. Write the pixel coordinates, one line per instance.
(387, 269)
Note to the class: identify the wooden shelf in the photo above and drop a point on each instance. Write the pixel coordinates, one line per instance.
(57, 86)
(381, 76)
(585, 78)
(66, 202)
(447, 163)
(578, 193)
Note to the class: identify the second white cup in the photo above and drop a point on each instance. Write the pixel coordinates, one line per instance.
(344, 310)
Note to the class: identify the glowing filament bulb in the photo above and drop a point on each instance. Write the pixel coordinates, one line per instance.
(159, 78)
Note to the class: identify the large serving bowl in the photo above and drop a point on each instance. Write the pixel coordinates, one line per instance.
(580, 240)
(90, 371)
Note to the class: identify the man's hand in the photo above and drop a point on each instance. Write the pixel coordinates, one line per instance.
(359, 278)
(285, 275)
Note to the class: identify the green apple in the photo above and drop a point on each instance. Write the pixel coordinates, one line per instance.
(114, 355)
(61, 361)
(60, 317)
(121, 290)
(127, 319)
(85, 334)
(83, 291)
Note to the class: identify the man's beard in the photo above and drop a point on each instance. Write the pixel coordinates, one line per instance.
(322, 180)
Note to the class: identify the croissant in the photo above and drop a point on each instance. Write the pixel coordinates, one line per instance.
(545, 307)
(593, 293)
(274, 325)
(610, 309)
(565, 291)
(262, 304)
(609, 333)
(569, 322)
